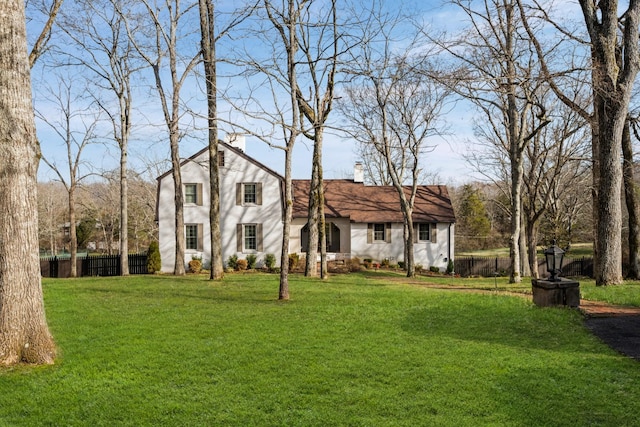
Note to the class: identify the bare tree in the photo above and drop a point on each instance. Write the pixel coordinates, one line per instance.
(97, 28)
(166, 25)
(75, 129)
(24, 334)
(613, 47)
(209, 38)
(393, 107)
(50, 10)
(554, 160)
(499, 75)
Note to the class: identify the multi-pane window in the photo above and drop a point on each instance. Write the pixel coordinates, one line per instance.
(191, 193)
(379, 232)
(191, 236)
(250, 194)
(250, 237)
(424, 231)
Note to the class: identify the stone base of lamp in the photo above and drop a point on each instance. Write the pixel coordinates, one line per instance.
(560, 292)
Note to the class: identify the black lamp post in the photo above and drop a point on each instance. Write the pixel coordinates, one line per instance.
(554, 256)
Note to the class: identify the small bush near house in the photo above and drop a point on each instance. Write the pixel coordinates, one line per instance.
(270, 261)
(195, 265)
(251, 261)
(153, 258)
(241, 265)
(354, 264)
(450, 267)
(294, 259)
(232, 262)
(434, 269)
(385, 262)
(401, 265)
(419, 268)
(368, 263)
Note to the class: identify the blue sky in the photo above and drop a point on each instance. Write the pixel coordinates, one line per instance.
(149, 142)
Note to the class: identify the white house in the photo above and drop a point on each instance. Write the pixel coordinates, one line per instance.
(362, 221)
(251, 212)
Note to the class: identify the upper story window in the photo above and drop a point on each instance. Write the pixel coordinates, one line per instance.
(249, 193)
(193, 194)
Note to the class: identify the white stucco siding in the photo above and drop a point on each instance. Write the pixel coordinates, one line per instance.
(236, 169)
(426, 254)
(376, 250)
(430, 254)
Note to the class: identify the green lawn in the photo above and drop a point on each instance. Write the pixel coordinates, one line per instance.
(356, 350)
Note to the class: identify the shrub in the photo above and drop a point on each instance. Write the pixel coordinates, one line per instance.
(241, 264)
(294, 259)
(434, 269)
(232, 262)
(251, 261)
(153, 258)
(450, 267)
(270, 261)
(195, 265)
(354, 264)
(385, 262)
(401, 265)
(368, 262)
(419, 268)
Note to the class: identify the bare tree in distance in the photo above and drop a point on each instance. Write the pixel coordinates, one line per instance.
(24, 334)
(97, 28)
(393, 106)
(76, 129)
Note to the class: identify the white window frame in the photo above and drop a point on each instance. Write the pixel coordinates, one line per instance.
(420, 231)
(193, 228)
(253, 196)
(246, 235)
(376, 232)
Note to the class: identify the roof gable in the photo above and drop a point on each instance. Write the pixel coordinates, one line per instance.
(236, 151)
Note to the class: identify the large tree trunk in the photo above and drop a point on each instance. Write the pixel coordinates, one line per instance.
(615, 65)
(283, 293)
(208, 40)
(313, 218)
(24, 335)
(73, 235)
(516, 212)
(178, 268)
(124, 213)
(631, 198)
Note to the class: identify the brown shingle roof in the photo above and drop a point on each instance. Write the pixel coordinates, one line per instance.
(364, 203)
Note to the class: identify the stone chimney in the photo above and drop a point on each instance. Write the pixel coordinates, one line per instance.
(236, 140)
(358, 172)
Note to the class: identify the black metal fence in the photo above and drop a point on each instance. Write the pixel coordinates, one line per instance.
(492, 266)
(92, 265)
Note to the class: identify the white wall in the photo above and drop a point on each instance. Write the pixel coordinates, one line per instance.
(426, 254)
(237, 169)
